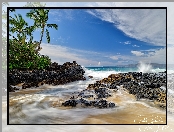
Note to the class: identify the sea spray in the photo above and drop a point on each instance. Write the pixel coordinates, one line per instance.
(144, 67)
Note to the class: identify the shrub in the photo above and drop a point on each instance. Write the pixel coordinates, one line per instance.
(24, 56)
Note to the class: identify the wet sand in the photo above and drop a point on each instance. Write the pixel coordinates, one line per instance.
(132, 114)
(129, 111)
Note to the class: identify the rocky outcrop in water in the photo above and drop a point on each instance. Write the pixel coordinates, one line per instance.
(94, 103)
(151, 86)
(54, 74)
(93, 97)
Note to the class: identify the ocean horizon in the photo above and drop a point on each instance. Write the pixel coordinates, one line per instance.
(140, 67)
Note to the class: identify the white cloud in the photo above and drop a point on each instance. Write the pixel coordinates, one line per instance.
(62, 13)
(114, 57)
(151, 53)
(137, 53)
(127, 42)
(155, 56)
(147, 25)
(149, 56)
(158, 56)
(122, 62)
(135, 45)
(149, 50)
(62, 54)
(170, 12)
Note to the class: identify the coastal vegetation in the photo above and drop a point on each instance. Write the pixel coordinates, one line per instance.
(26, 64)
(23, 50)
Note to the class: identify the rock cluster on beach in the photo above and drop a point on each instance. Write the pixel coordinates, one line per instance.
(151, 86)
(54, 74)
(91, 98)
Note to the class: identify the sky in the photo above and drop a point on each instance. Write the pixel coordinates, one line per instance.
(105, 37)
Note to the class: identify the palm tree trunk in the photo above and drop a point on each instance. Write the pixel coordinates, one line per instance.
(43, 27)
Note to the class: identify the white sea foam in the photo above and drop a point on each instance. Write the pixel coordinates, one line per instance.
(98, 75)
(101, 73)
(143, 67)
(157, 70)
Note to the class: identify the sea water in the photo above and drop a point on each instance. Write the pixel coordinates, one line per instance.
(43, 105)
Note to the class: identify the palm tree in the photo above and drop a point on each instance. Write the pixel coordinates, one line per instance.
(19, 26)
(40, 17)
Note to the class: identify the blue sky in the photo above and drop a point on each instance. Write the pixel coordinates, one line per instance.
(105, 37)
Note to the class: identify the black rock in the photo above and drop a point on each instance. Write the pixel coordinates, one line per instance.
(54, 74)
(72, 103)
(111, 105)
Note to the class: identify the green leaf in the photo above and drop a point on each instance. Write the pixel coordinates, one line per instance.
(52, 26)
(12, 10)
(48, 36)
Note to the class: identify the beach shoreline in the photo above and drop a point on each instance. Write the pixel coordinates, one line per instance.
(52, 97)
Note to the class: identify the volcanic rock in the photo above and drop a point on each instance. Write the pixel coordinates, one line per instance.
(54, 74)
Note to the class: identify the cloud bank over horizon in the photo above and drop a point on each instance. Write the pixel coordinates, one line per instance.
(62, 54)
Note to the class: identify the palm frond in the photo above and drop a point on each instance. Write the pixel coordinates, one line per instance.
(52, 26)
(48, 36)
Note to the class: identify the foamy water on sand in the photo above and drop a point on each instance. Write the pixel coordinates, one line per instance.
(84, 128)
(43, 106)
